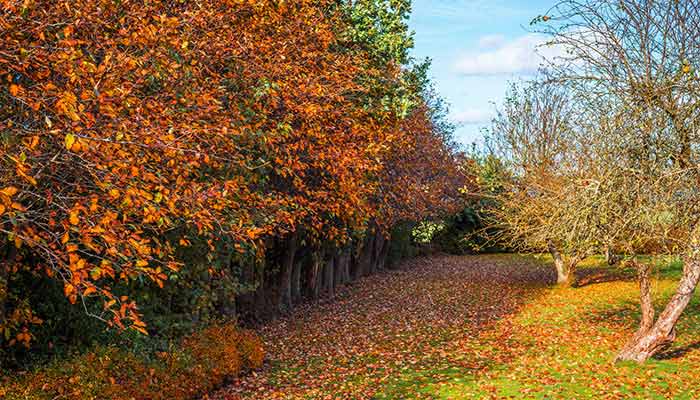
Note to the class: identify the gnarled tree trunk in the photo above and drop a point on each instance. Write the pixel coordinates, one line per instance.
(653, 338)
(562, 275)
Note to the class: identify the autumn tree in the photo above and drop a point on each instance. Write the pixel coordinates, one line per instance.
(207, 151)
(533, 136)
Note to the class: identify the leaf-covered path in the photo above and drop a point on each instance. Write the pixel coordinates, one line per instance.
(398, 333)
(472, 328)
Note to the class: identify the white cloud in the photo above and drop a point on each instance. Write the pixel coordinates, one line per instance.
(473, 116)
(490, 42)
(522, 55)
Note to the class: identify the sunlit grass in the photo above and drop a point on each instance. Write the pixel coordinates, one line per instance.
(420, 338)
(564, 344)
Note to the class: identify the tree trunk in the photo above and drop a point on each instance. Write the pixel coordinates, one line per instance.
(315, 274)
(610, 257)
(364, 257)
(345, 260)
(8, 256)
(339, 277)
(285, 284)
(354, 262)
(296, 281)
(562, 275)
(645, 299)
(384, 252)
(371, 259)
(572, 265)
(661, 334)
(328, 277)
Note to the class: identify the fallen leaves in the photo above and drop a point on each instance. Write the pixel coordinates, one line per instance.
(407, 329)
(469, 328)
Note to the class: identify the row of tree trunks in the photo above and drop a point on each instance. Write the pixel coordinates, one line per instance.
(293, 273)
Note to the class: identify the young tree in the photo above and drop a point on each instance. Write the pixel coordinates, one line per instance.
(532, 135)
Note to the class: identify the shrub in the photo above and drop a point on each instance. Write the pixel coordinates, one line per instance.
(202, 362)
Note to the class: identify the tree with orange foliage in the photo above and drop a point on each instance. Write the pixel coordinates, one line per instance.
(144, 141)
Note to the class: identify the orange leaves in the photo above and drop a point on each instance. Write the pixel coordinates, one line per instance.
(70, 291)
(67, 105)
(6, 202)
(73, 217)
(14, 90)
(8, 192)
(150, 129)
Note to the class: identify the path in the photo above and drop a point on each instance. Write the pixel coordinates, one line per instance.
(394, 332)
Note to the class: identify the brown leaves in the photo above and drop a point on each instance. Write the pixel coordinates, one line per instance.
(417, 323)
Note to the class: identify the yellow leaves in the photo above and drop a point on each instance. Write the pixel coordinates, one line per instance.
(72, 143)
(141, 263)
(9, 191)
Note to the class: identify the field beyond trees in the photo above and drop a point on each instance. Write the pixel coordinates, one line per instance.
(462, 327)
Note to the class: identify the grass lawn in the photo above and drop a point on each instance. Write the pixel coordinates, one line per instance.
(474, 327)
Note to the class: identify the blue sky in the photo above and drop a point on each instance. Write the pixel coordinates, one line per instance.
(477, 47)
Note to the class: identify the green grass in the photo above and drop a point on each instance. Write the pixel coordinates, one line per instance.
(565, 343)
(502, 339)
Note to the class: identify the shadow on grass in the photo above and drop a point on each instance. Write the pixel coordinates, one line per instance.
(590, 276)
(673, 354)
(625, 315)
